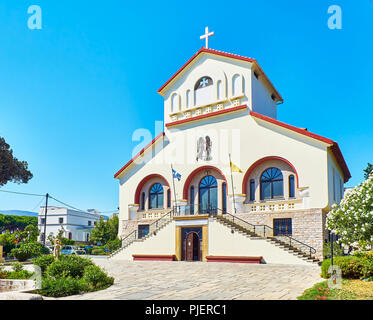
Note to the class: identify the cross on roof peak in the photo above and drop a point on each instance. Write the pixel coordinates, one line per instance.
(206, 36)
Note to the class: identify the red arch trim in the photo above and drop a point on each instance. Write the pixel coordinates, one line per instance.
(142, 183)
(190, 177)
(260, 161)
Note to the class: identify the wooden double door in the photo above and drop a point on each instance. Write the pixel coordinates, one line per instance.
(192, 244)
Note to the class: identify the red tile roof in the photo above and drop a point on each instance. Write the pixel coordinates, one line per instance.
(334, 145)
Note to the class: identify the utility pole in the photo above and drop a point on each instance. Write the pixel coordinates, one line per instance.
(45, 218)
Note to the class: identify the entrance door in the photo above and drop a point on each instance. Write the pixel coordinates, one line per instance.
(192, 247)
(208, 195)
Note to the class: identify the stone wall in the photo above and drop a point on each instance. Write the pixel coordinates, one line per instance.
(308, 226)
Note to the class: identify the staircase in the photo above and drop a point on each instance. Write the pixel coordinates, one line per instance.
(264, 232)
(153, 229)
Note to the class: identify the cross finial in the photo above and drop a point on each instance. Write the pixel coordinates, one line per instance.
(206, 36)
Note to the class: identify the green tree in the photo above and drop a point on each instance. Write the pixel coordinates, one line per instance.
(352, 219)
(99, 232)
(11, 169)
(107, 231)
(368, 170)
(31, 233)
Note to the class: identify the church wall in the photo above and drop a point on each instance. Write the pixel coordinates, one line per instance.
(338, 188)
(308, 226)
(261, 99)
(163, 243)
(222, 242)
(223, 71)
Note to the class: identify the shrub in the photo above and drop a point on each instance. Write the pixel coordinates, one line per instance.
(367, 270)
(68, 266)
(16, 266)
(62, 287)
(43, 262)
(337, 250)
(98, 252)
(27, 251)
(22, 274)
(351, 267)
(114, 244)
(97, 278)
(67, 242)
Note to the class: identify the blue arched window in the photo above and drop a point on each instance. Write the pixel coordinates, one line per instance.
(208, 195)
(156, 196)
(291, 186)
(271, 184)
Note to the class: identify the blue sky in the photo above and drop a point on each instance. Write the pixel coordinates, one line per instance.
(72, 94)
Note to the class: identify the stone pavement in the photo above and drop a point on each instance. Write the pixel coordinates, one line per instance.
(151, 280)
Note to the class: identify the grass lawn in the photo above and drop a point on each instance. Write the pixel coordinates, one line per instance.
(351, 290)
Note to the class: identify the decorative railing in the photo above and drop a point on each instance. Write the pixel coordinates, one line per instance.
(275, 205)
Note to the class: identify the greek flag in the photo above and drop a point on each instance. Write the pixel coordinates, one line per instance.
(176, 175)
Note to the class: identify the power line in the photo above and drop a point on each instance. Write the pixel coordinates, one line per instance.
(25, 194)
(59, 201)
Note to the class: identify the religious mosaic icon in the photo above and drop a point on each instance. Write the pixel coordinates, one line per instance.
(204, 149)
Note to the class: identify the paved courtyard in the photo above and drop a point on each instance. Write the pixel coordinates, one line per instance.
(201, 280)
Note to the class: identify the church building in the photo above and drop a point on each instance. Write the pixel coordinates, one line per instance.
(226, 180)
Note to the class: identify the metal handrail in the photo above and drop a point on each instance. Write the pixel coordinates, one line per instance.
(292, 241)
(153, 227)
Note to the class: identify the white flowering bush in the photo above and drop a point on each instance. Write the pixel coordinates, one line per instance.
(352, 219)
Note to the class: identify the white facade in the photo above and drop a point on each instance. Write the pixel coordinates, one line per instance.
(229, 100)
(77, 225)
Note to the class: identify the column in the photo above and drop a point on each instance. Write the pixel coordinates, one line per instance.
(132, 212)
(238, 200)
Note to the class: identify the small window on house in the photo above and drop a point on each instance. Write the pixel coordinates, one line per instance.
(95, 223)
(168, 198)
(252, 190)
(273, 96)
(224, 197)
(42, 221)
(60, 220)
(142, 207)
(256, 74)
(89, 223)
(291, 186)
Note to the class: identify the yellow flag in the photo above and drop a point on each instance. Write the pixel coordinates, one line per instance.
(234, 168)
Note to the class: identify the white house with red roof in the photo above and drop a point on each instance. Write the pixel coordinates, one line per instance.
(268, 206)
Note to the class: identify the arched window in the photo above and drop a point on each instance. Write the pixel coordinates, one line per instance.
(271, 184)
(219, 90)
(156, 196)
(224, 197)
(208, 195)
(175, 103)
(142, 201)
(291, 186)
(203, 91)
(188, 99)
(237, 85)
(252, 190)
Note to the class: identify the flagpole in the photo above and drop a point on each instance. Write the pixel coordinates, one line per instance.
(234, 201)
(173, 182)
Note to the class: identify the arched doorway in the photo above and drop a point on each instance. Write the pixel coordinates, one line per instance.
(192, 247)
(208, 195)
